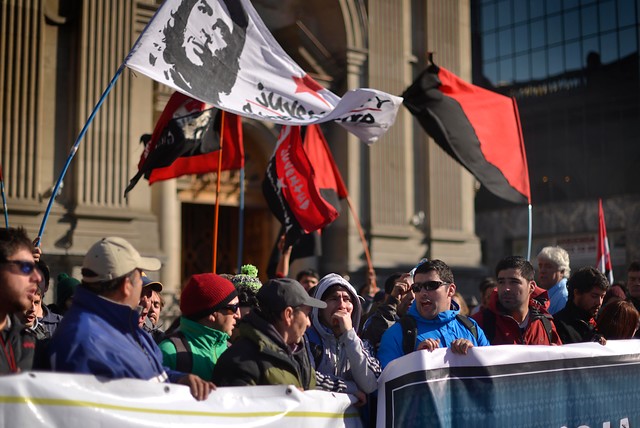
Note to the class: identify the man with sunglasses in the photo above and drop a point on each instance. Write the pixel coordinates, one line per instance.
(100, 335)
(19, 281)
(210, 308)
(434, 317)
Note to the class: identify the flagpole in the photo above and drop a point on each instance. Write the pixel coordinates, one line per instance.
(241, 220)
(217, 209)
(530, 234)
(4, 200)
(72, 153)
(362, 238)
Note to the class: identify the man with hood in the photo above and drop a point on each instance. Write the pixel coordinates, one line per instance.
(335, 347)
(517, 312)
(435, 317)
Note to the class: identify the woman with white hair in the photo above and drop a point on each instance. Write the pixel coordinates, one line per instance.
(553, 271)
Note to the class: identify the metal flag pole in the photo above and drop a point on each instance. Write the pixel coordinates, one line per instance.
(241, 220)
(530, 234)
(4, 200)
(217, 209)
(72, 153)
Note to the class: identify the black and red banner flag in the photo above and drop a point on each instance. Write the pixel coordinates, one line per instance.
(477, 127)
(302, 185)
(186, 140)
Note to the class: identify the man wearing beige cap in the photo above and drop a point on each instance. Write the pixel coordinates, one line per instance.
(100, 335)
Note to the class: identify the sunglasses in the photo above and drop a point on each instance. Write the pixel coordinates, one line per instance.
(25, 267)
(427, 285)
(232, 308)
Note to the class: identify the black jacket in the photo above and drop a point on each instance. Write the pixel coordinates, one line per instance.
(574, 325)
(259, 356)
(18, 347)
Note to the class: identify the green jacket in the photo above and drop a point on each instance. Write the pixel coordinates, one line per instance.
(259, 356)
(207, 344)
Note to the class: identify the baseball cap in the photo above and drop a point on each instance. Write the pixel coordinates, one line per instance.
(148, 282)
(113, 257)
(279, 293)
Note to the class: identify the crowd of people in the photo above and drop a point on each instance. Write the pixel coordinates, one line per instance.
(312, 332)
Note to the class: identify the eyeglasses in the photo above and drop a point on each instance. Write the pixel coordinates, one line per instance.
(25, 267)
(232, 308)
(427, 285)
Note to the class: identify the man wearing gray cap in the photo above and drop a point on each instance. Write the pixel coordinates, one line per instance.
(270, 348)
(100, 335)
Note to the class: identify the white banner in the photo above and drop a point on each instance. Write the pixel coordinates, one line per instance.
(220, 52)
(583, 385)
(49, 400)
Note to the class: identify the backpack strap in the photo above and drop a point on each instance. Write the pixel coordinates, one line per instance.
(184, 357)
(489, 324)
(548, 328)
(409, 334)
(546, 322)
(465, 321)
(315, 345)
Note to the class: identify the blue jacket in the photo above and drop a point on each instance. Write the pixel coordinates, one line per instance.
(101, 337)
(444, 327)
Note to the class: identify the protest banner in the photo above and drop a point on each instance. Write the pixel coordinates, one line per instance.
(36, 399)
(583, 385)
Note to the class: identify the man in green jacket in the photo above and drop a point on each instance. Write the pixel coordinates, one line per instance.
(210, 308)
(270, 349)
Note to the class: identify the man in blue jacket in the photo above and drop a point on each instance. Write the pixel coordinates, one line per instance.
(435, 317)
(100, 335)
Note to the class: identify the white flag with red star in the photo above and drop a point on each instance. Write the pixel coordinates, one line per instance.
(220, 52)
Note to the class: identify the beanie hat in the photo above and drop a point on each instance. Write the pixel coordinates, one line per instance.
(247, 278)
(65, 289)
(247, 284)
(205, 293)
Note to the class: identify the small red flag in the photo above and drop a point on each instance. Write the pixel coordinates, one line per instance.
(186, 140)
(604, 255)
(300, 194)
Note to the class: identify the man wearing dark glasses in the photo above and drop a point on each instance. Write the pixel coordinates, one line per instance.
(435, 318)
(210, 308)
(19, 281)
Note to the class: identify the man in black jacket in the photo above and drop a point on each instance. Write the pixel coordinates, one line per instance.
(576, 322)
(19, 281)
(270, 349)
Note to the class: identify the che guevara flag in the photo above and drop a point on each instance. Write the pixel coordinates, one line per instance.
(220, 52)
(302, 184)
(604, 255)
(478, 128)
(186, 140)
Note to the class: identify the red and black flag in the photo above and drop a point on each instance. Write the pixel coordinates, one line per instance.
(186, 140)
(604, 254)
(302, 185)
(477, 127)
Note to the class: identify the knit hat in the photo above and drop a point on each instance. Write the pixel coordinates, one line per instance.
(65, 289)
(247, 284)
(204, 293)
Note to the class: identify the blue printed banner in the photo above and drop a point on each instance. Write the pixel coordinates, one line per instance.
(582, 385)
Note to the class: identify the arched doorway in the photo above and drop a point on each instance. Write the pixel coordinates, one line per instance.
(198, 209)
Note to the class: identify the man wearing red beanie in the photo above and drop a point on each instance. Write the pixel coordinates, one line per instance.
(210, 307)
